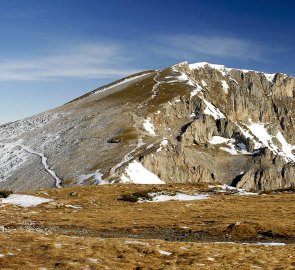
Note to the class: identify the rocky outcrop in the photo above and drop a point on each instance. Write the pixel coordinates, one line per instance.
(186, 123)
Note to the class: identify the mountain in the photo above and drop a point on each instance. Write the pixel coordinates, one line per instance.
(183, 124)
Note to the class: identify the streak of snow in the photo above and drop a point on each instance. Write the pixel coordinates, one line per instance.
(261, 133)
(286, 147)
(127, 80)
(45, 164)
(212, 110)
(184, 77)
(270, 244)
(204, 83)
(126, 157)
(197, 90)
(246, 134)
(24, 200)
(225, 86)
(149, 127)
(136, 173)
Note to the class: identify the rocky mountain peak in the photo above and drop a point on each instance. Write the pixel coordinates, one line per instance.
(185, 123)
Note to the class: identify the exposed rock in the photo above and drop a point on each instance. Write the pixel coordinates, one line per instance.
(185, 123)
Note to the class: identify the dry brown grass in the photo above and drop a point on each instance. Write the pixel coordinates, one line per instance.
(93, 223)
(27, 250)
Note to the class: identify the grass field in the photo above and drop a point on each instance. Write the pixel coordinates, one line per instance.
(93, 228)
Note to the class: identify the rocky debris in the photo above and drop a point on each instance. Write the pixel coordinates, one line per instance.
(186, 123)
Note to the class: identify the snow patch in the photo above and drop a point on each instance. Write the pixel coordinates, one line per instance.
(137, 174)
(212, 110)
(97, 177)
(149, 127)
(24, 200)
(166, 253)
(270, 244)
(269, 76)
(234, 148)
(225, 86)
(218, 140)
(203, 83)
(232, 190)
(286, 147)
(261, 133)
(160, 197)
(197, 90)
(127, 80)
(220, 68)
(163, 143)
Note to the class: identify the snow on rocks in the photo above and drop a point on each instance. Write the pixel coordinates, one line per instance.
(260, 132)
(96, 176)
(163, 143)
(225, 71)
(230, 190)
(225, 86)
(166, 196)
(269, 76)
(183, 77)
(149, 127)
(24, 200)
(212, 110)
(220, 68)
(197, 90)
(286, 147)
(204, 83)
(233, 147)
(137, 174)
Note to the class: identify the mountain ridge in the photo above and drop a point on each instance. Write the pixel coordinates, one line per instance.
(184, 123)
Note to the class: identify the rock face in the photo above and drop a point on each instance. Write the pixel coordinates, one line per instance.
(186, 123)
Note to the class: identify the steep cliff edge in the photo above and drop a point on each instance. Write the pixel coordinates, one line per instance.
(186, 123)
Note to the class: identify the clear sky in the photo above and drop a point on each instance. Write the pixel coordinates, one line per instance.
(52, 51)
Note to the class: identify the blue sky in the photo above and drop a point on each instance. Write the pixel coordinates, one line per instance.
(52, 51)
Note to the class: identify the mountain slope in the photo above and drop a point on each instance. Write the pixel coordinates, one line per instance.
(185, 123)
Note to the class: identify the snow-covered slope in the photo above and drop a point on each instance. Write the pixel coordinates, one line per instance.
(185, 123)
